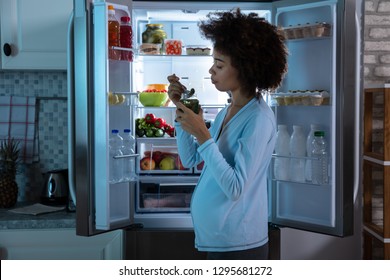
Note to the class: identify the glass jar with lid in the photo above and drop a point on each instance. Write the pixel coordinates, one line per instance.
(189, 99)
(154, 34)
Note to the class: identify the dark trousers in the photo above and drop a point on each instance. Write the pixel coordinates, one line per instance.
(258, 253)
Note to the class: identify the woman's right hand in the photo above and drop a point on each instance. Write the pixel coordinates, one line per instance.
(175, 88)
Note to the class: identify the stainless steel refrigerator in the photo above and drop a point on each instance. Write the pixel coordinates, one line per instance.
(324, 39)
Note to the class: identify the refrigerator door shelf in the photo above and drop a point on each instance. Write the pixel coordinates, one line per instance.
(114, 200)
(279, 169)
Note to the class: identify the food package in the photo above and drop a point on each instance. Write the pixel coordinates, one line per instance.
(198, 50)
(173, 47)
(147, 48)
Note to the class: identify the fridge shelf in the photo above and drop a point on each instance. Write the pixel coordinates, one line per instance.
(306, 39)
(125, 156)
(307, 31)
(155, 138)
(306, 183)
(281, 172)
(123, 49)
(126, 93)
(295, 157)
(167, 57)
(174, 56)
(151, 108)
(303, 98)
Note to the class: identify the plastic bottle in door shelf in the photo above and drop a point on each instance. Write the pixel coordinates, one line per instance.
(113, 34)
(116, 164)
(297, 152)
(126, 38)
(309, 148)
(319, 161)
(282, 151)
(128, 162)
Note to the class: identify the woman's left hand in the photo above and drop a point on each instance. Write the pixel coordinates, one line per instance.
(192, 123)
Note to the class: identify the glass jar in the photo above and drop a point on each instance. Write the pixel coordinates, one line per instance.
(154, 34)
(189, 99)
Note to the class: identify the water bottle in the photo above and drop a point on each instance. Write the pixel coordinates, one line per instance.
(128, 149)
(309, 141)
(297, 152)
(319, 159)
(282, 151)
(116, 169)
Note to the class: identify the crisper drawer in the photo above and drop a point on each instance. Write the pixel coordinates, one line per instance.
(165, 193)
(159, 156)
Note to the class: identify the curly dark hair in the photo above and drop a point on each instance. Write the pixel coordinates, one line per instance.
(255, 47)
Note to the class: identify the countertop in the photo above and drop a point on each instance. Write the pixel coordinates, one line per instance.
(59, 219)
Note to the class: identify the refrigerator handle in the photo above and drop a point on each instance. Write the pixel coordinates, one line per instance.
(70, 84)
(358, 88)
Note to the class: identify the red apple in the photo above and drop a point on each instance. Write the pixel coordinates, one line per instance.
(147, 163)
(157, 156)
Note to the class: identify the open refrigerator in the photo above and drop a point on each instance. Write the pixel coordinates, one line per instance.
(324, 42)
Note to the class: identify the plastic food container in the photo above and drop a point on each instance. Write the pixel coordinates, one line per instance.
(323, 30)
(173, 47)
(278, 99)
(289, 33)
(148, 48)
(298, 32)
(316, 99)
(307, 31)
(198, 50)
(301, 97)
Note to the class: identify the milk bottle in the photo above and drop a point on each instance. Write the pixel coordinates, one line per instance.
(282, 151)
(297, 152)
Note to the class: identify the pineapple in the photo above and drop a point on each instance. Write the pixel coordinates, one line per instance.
(9, 153)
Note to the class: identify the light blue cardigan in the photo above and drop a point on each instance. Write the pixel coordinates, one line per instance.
(229, 205)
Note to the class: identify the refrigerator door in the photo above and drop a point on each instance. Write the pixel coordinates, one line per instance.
(100, 206)
(327, 61)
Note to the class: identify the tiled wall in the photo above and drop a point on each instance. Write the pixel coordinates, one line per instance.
(50, 90)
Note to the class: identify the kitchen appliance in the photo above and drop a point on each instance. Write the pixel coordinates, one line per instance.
(55, 188)
(324, 66)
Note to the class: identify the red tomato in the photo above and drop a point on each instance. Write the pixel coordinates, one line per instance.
(173, 47)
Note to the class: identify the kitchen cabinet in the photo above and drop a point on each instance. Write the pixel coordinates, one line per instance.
(34, 34)
(376, 172)
(59, 244)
